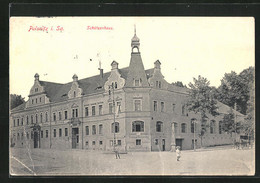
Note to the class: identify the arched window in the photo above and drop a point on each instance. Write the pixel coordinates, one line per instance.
(41, 117)
(193, 125)
(46, 117)
(115, 127)
(212, 126)
(183, 127)
(36, 118)
(220, 126)
(27, 120)
(159, 126)
(138, 126)
(74, 93)
(31, 119)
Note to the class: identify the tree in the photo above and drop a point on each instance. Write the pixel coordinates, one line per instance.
(201, 100)
(16, 100)
(229, 124)
(180, 84)
(235, 89)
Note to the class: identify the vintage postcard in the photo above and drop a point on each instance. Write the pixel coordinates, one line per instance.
(132, 96)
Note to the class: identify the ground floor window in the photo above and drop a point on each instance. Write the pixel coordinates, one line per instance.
(93, 143)
(60, 132)
(119, 142)
(41, 134)
(86, 143)
(47, 134)
(100, 142)
(138, 142)
(66, 131)
(54, 133)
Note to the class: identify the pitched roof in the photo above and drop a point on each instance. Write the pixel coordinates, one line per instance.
(19, 107)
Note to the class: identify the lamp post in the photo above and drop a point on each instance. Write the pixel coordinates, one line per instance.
(194, 130)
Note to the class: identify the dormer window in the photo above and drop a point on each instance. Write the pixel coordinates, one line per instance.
(36, 89)
(74, 94)
(137, 82)
(158, 84)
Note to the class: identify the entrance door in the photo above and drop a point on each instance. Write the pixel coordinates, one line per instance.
(35, 139)
(192, 144)
(179, 143)
(163, 144)
(75, 137)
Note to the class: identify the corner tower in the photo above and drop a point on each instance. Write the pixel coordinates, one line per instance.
(136, 75)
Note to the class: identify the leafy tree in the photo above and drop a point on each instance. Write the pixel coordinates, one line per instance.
(202, 101)
(16, 100)
(235, 88)
(229, 124)
(180, 84)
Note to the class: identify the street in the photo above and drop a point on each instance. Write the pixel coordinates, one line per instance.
(218, 161)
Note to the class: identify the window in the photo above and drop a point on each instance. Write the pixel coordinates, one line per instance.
(27, 120)
(100, 142)
(41, 134)
(138, 142)
(118, 107)
(119, 142)
(46, 117)
(220, 126)
(31, 119)
(21, 136)
(18, 136)
(31, 134)
(86, 143)
(74, 113)
(86, 111)
(212, 126)
(115, 127)
(14, 122)
(18, 122)
(36, 100)
(137, 82)
(36, 118)
(94, 130)
(65, 114)
(60, 132)
(54, 116)
(54, 133)
(100, 129)
(160, 84)
(154, 105)
(41, 117)
(192, 125)
(159, 126)
(74, 94)
(137, 105)
(93, 110)
(183, 128)
(40, 99)
(32, 101)
(138, 126)
(27, 135)
(46, 133)
(93, 143)
(162, 106)
(87, 130)
(100, 109)
(156, 141)
(22, 122)
(59, 115)
(110, 108)
(173, 107)
(115, 85)
(66, 132)
(183, 109)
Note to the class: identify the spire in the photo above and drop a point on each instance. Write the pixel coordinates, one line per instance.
(136, 75)
(36, 77)
(135, 43)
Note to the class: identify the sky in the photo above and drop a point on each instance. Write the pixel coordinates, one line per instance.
(186, 47)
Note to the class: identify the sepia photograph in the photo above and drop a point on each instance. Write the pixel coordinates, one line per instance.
(119, 96)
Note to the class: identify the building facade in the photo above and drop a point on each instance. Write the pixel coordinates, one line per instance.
(136, 109)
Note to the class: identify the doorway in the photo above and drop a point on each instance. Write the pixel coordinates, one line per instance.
(179, 143)
(192, 144)
(75, 138)
(163, 144)
(35, 139)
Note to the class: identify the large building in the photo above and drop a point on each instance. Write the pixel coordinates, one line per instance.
(137, 108)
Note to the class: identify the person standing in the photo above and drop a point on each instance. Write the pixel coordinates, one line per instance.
(117, 152)
(178, 153)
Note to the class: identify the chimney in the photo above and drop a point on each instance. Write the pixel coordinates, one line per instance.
(36, 77)
(101, 72)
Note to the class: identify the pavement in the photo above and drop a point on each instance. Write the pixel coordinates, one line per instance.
(211, 161)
